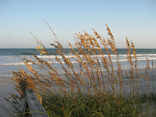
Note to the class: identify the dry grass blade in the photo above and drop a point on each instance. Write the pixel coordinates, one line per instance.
(88, 68)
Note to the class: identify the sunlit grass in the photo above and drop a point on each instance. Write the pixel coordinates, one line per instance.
(85, 89)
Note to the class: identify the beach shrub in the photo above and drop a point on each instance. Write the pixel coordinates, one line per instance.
(92, 86)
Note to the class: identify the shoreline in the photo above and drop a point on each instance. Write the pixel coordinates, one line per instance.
(6, 78)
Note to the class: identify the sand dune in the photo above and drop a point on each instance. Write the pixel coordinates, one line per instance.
(7, 86)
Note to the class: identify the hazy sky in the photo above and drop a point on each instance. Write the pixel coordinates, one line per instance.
(135, 19)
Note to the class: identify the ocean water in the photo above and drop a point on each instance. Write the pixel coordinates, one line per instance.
(11, 59)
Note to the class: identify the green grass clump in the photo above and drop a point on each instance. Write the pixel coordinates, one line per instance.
(85, 105)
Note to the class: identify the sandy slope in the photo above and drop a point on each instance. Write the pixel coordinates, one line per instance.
(7, 86)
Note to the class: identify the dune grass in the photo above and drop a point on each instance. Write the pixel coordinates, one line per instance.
(85, 105)
(86, 90)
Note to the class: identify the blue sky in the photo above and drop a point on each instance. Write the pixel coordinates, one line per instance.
(135, 19)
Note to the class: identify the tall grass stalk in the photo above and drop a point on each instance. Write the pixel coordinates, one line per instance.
(84, 89)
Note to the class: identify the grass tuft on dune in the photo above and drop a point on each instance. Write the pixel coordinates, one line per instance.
(86, 90)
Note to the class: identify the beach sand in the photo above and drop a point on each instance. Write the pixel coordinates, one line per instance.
(7, 86)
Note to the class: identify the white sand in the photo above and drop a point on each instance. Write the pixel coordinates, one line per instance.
(7, 86)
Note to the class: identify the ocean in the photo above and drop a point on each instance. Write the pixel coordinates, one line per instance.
(11, 59)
